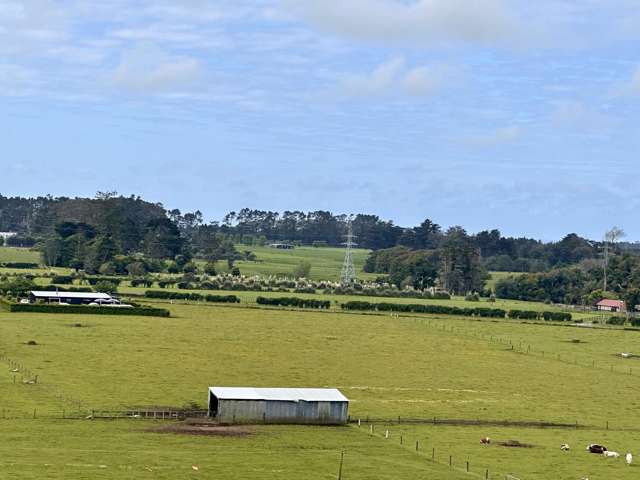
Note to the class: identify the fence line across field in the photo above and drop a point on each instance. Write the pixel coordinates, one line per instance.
(435, 455)
(522, 347)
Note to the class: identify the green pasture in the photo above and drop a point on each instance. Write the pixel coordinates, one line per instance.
(67, 449)
(12, 254)
(495, 276)
(389, 367)
(539, 457)
(249, 297)
(326, 263)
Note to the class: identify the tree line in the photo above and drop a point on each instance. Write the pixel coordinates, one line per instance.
(112, 232)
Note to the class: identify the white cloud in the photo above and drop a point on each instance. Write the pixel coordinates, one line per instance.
(394, 78)
(494, 138)
(423, 22)
(147, 70)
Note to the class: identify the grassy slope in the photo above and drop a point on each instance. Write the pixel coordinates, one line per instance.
(495, 276)
(388, 367)
(326, 263)
(10, 254)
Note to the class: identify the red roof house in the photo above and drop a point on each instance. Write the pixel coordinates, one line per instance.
(611, 305)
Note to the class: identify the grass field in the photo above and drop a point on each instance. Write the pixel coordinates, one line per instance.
(387, 366)
(495, 276)
(26, 255)
(326, 263)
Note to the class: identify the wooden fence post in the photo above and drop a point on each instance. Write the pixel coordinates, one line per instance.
(341, 463)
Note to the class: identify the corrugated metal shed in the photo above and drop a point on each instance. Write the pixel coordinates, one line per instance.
(312, 406)
(281, 394)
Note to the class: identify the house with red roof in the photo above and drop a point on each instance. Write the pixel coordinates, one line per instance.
(607, 305)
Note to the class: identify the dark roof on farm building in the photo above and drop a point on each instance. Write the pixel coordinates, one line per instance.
(279, 394)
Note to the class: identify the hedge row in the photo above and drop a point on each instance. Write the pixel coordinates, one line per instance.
(62, 280)
(447, 310)
(56, 288)
(616, 320)
(294, 302)
(196, 297)
(86, 310)
(20, 265)
(437, 309)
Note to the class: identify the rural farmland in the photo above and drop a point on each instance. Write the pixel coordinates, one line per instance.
(451, 370)
(319, 240)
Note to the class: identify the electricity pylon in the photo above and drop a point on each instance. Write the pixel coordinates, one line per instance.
(348, 275)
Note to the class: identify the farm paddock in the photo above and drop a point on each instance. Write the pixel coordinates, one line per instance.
(412, 368)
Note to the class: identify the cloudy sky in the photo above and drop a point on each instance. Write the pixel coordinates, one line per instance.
(512, 114)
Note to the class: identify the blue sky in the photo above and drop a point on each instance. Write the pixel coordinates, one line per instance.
(515, 115)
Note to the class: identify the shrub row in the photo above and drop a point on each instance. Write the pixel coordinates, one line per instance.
(294, 302)
(614, 320)
(62, 280)
(557, 316)
(447, 310)
(523, 314)
(413, 308)
(19, 265)
(96, 280)
(547, 316)
(90, 310)
(55, 288)
(196, 297)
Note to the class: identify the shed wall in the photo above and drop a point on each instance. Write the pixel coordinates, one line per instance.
(282, 412)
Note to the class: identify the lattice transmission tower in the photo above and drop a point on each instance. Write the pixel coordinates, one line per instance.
(348, 275)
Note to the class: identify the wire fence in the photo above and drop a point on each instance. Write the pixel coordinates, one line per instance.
(526, 348)
(436, 455)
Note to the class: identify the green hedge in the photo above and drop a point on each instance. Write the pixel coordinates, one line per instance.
(20, 265)
(614, 320)
(95, 280)
(557, 316)
(62, 280)
(85, 310)
(435, 309)
(196, 297)
(523, 314)
(294, 302)
(447, 310)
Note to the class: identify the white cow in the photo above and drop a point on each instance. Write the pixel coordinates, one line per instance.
(609, 454)
(629, 459)
(565, 447)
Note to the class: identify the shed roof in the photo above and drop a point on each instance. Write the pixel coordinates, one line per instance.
(279, 394)
(611, 303)
(84, 295)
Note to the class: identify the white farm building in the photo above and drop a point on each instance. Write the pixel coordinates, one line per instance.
(306, 406)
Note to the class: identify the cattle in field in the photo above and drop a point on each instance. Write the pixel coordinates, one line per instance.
(595, 448)
(564, 447)
(485, 441)
(610, 454)
(629, 459)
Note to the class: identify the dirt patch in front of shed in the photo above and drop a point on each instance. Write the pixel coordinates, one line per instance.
(205, 429)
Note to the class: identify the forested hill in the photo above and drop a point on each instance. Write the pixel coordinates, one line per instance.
(135, 225)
